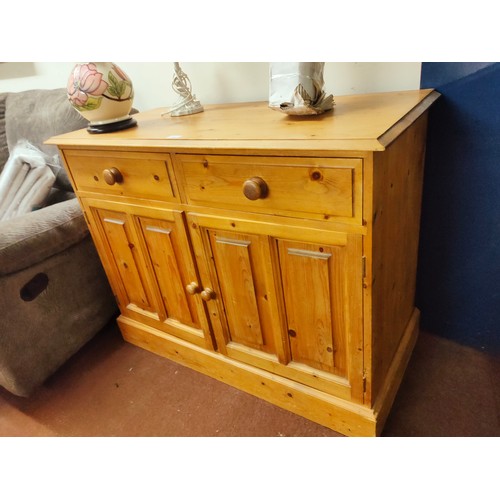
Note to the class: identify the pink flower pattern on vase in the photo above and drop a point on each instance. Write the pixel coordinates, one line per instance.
(103, 94)
(85, 80)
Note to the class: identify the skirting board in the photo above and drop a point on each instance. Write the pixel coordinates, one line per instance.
(396, 371)
(342, 416)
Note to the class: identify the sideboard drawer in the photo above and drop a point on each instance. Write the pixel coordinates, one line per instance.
(317, 187)
(143, 175)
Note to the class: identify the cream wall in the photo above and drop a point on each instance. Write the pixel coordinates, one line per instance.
(217, 82)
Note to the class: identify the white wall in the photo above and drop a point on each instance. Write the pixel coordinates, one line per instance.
(217, 82)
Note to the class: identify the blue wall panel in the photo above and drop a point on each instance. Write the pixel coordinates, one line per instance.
(458, 283)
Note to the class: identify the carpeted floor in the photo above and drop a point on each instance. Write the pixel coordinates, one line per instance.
(111, 388)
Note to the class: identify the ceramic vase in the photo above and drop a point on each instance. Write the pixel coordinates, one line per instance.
(103, 94)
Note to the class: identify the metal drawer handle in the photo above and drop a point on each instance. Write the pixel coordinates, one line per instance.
(112, 176)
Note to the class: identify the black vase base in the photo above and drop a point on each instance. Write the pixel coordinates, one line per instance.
(111, 127)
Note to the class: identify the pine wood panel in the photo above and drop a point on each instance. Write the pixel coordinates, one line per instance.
(395, 372)
(122, 246)
(397, 192)
(241, 271)
(341, 415)
(156, 242)
(161, 249)
(241, 222)
(169, 252)
(359, 122)
(316, 332)
(236, 270)
(144, 175)
(312, 187)
(255, 253)
(167, 256)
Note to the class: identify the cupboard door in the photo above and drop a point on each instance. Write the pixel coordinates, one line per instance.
(238, 267)
(151, 268)
(165, 252)
(245, 278)
(176, 277)
(322, 285)
(286, 304)
(312, 287)
(122, 249)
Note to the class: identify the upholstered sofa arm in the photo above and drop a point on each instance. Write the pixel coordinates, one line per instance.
(34, 237)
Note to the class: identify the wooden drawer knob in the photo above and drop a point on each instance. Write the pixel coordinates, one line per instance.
(112, 176)
(207, 294)
(193, 288)
(255, 188)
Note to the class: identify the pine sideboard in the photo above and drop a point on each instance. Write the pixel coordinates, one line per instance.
(275, 253)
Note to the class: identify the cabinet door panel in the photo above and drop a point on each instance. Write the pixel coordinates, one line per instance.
(148, 258)
(245, 310)
(239, 269)
(166, 253)
(287, 304)
(116, 228)
(312, 286)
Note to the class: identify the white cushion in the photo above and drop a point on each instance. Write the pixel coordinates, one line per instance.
(25, 181)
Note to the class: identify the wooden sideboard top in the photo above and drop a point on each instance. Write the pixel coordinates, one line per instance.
(362, 122)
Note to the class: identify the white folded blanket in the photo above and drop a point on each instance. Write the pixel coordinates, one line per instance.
(25, 181)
